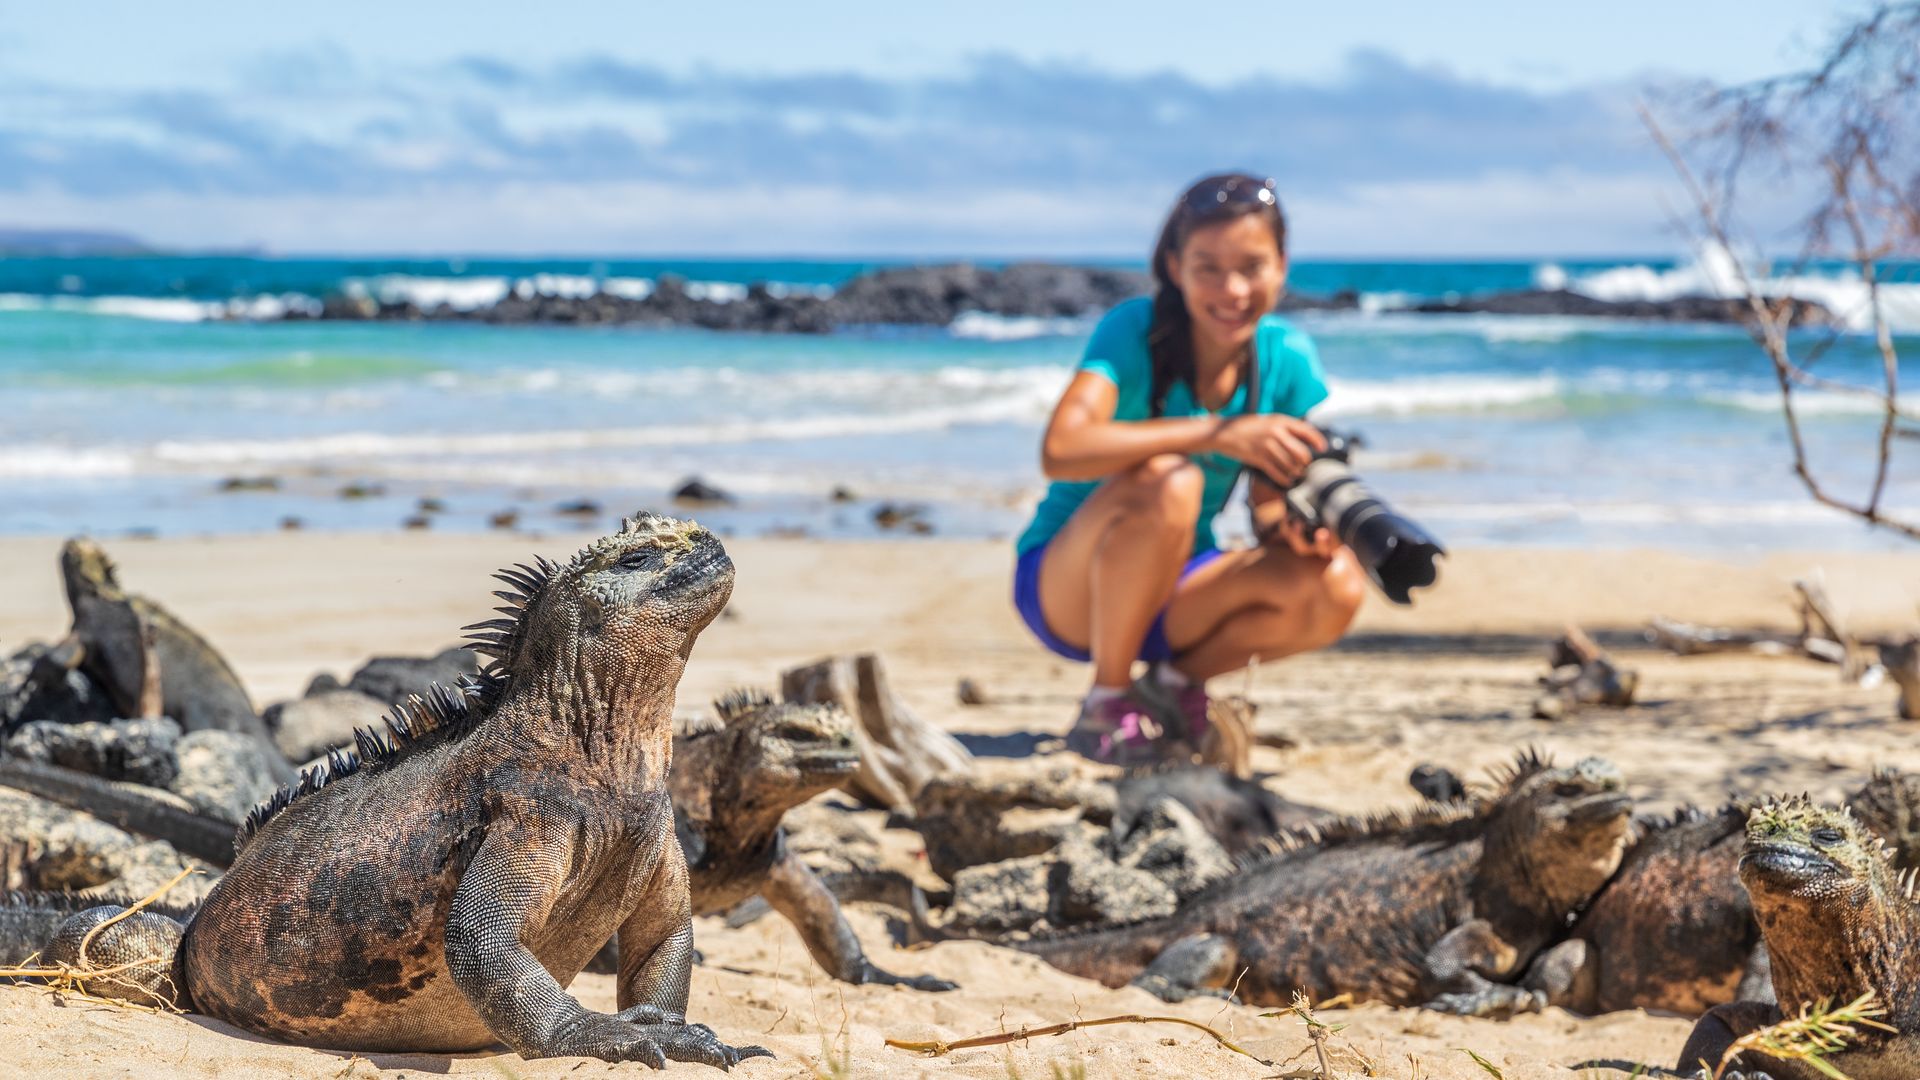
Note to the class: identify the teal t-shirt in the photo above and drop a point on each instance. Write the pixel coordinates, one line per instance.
(1290, 384)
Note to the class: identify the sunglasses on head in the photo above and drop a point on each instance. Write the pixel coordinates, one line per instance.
(1231, 191)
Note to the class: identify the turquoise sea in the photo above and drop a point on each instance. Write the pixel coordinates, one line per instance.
(131, 389)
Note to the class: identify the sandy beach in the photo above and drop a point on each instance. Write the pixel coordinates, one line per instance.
(1449, 681)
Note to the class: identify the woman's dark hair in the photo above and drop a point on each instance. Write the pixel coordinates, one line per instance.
(1210, 201)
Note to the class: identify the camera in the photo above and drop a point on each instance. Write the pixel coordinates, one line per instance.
(1397, 553)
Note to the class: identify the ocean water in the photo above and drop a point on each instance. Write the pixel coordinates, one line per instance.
(132, 390)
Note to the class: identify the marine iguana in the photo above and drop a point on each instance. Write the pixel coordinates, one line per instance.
(437, 890)
(1430, 907)
(1673, 931)
(732, 781)
(1838, 920)
(197, 687)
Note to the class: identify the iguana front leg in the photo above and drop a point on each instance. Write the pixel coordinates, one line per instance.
(794, 891)
(1719, 1029)
(503, 898)
(1457, 970)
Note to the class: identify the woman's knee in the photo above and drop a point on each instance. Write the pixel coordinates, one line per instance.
(1342, 588)
(1171, 481)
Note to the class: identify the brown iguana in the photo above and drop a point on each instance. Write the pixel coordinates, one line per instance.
(1838, 920)
(197, 687)
(1432, 907)
(437, 890)
(1673, 931)
(732, 781)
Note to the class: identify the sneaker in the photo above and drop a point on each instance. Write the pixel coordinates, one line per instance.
(1117, 731)
(1182, 712)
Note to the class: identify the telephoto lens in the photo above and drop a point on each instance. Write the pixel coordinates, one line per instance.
(1397, 553)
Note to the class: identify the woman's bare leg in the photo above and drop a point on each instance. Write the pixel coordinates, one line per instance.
(1261, 604)
(1111, 568)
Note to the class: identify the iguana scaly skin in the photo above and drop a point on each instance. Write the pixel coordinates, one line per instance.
(1672, 931)
(732, 782)
(197, 687)
(438, 890)
(1838, 920)
(1430, 908)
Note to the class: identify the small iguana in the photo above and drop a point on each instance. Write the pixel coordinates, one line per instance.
(197, 687)
(732, 781)
(1838, 920)
(1434, 907)
(436, 891)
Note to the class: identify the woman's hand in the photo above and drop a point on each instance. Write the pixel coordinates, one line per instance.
(1318, 544)
(1279, 446)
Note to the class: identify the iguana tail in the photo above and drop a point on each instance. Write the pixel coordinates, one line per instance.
(132, 959)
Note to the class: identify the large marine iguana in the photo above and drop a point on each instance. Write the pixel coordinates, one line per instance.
(438, 889)
(732, 781)
(1838, 920)
(1432, 907)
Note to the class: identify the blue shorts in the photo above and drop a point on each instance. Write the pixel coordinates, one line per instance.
(1026, 600)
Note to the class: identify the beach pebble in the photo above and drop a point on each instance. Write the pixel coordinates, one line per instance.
(1170, 843)
(909, 516)
(250, 483)
(694, 491)
(37, 685)
(224, 774)
(392, 679)
(308, 727)
(137, 751)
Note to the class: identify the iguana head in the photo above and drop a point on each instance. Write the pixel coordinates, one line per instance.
(787, 751)
(1802, 856)
(627, 603)
(85, 568)
(1889, 804)
(756, 759)
(1566, 828)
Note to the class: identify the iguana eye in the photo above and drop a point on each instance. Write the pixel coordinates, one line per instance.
(638, 560)
(1827, 837)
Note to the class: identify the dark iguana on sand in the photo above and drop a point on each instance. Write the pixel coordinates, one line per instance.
(1838, 920)
(197, 688)
(1434, 907)
(1674, 930)
(732, 781)
(437, 890)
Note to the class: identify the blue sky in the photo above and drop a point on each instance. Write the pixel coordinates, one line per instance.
(858, 128)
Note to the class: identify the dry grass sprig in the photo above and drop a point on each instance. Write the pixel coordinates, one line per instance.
(73, 979)
(940, 1048)
(1817, 1032)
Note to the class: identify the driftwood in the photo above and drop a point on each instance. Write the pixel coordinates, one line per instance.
(1583, 674)
(1901, 658)
(899, 752)
(1823, 636)
(1819, 620)
(1228, 743)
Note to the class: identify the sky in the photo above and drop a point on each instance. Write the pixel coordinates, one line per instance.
(859, 128)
